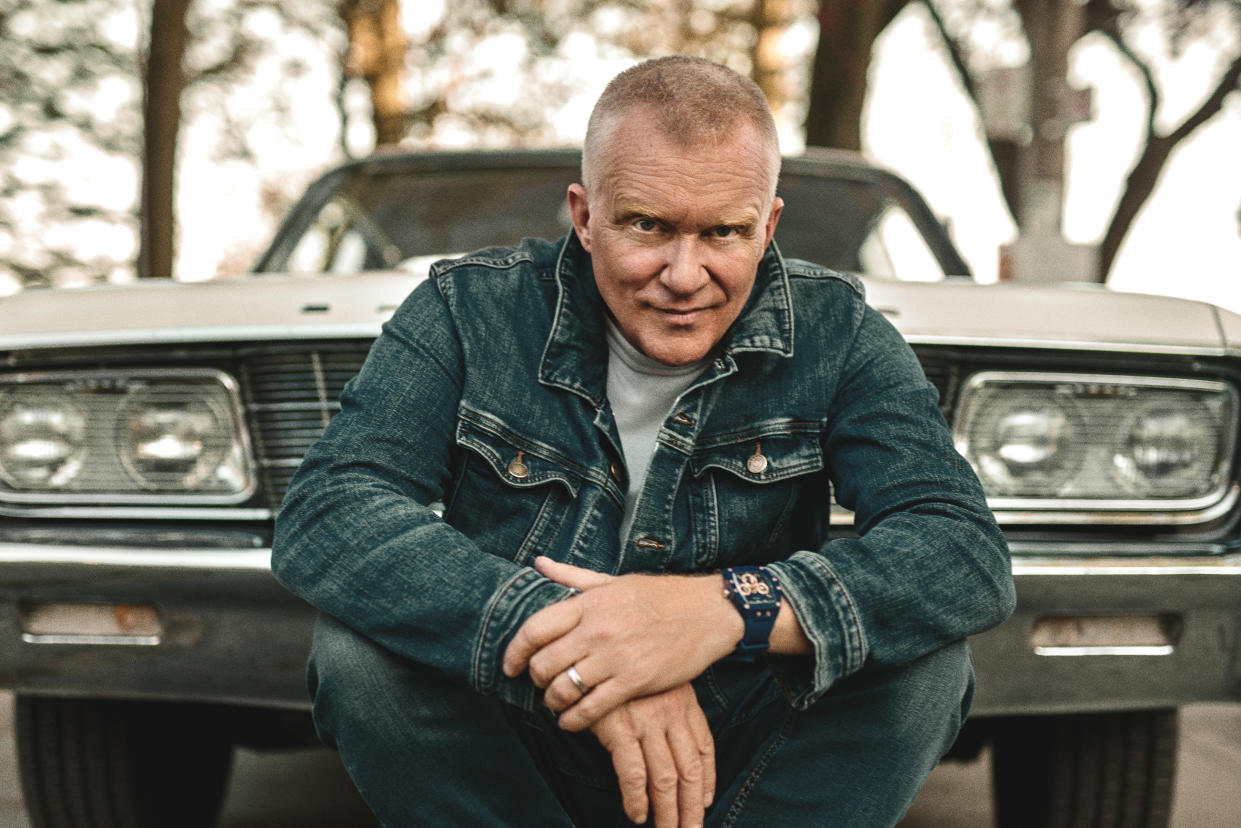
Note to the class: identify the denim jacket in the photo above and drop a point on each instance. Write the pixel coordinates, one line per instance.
(486, 393)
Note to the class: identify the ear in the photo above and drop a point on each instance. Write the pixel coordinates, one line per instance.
(773, 218)
(579, 213)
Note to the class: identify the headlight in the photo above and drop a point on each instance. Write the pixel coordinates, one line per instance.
(1098, 442)
(1030, 445)
(123, 437)
(1164, 450)
(42, 441)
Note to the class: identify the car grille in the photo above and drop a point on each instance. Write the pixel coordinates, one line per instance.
(290, 396)
(944, 371)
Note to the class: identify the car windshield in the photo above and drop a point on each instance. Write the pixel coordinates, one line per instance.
(392, 217)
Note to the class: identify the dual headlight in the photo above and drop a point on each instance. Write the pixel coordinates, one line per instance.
(123, 437)
(1096, 442)
(1039, 441)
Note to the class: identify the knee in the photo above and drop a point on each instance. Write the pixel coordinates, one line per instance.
(347, 674)
(935, 694)
(338, 654)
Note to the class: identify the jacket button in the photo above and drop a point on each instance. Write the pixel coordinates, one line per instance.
(615, 472)
(757, 462)
(517, 468)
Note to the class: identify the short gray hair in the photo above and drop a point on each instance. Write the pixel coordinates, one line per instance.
(693, 99)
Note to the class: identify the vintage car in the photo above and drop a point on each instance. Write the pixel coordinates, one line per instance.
(148, 432)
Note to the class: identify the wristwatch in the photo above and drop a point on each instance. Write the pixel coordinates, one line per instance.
(755, 593)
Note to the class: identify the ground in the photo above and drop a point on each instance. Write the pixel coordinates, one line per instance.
(308, 789)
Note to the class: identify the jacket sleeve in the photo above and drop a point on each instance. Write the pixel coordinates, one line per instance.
(356, 538)
(929, 565)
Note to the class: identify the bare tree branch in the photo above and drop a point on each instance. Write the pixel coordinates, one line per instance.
(1111, 30)
(1229, 82)
(1144, 175)
(955, 53)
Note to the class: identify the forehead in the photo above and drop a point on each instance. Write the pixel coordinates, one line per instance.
(644, 168)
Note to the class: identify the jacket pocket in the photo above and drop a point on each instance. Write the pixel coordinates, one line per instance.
(512, 493)
(763, 491)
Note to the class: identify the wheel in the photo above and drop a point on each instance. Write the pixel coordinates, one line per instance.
(1105, 770)
(120, 764)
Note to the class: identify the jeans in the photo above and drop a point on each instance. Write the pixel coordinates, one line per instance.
(425, 749)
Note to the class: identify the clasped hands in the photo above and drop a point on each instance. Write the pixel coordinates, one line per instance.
(634, 642)
(625, 636)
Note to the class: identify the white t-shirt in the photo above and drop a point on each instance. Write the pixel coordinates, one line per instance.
(642, 392)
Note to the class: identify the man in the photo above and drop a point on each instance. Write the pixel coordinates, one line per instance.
(631, 607)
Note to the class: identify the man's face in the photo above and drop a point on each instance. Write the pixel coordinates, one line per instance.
(676, 234)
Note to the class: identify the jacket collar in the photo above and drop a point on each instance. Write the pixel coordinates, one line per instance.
(575, 356)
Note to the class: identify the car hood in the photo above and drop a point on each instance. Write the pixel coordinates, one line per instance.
(252, 307)
(270, 307)
(1063, 315)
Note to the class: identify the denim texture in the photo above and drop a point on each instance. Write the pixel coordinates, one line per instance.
(501, 356)
(424, 753)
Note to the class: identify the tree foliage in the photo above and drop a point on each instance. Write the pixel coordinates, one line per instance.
(72, 126)
(498, 72)
(72, 102)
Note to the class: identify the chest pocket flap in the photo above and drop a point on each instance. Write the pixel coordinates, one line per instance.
(519, 461)
(767, 453)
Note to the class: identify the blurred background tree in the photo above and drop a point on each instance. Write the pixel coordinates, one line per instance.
(175, 106)
(1012, 60)
(70, 90)
(91, 137)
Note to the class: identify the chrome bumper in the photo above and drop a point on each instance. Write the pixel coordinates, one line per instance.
(1197, 601)
(230, 633)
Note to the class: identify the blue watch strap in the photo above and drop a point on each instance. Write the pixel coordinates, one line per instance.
(755, 593)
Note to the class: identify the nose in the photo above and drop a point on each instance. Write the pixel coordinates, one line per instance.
(685, 271)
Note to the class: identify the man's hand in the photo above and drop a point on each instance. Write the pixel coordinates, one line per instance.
(626, 637)
(664, 757)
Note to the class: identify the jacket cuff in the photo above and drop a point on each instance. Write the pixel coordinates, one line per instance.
(828, 618)
(524, 595)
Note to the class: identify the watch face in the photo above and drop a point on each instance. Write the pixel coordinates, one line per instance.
(752, 588)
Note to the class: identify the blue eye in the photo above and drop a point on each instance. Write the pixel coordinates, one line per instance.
(646, 224)
(723, 231)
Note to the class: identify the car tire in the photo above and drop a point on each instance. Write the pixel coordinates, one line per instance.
(1105, 770)
(120, 764)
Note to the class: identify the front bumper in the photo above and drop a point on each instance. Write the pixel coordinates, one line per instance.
(1198, 596)
(232, 634)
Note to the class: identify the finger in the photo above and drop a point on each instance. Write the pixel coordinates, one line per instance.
(602, 699)
(630, 767)
(554, 658)
(539, 629)
(562, 693)
(569, 575)
(662, 780)
(688, 759)
(705, 743)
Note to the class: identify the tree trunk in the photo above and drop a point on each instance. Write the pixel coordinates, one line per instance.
(1052, 27)
(847, 32)
(165, 78)
(377, 55)
(771, 19)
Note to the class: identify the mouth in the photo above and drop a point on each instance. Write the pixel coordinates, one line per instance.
(682, 316)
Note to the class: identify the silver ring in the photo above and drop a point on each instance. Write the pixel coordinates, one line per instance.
(577, 680)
